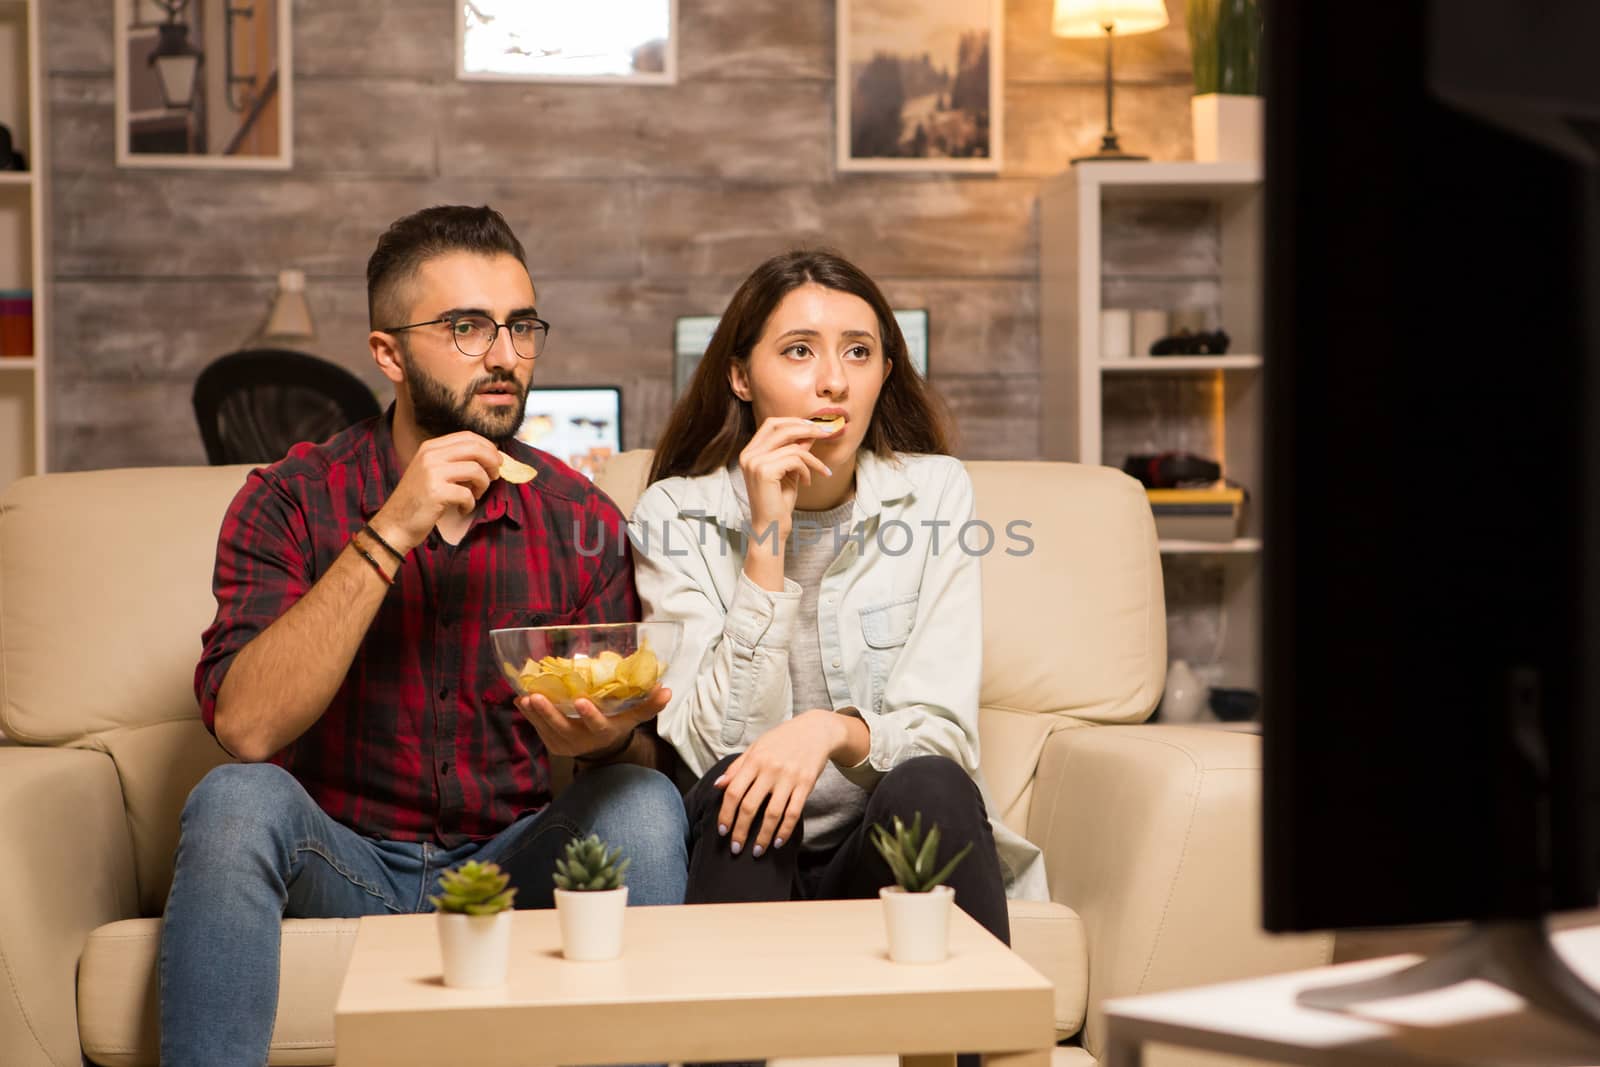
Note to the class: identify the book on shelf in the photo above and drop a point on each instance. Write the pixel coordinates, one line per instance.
(1209, 513)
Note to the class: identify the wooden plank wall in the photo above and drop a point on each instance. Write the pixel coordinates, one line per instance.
(636, 205)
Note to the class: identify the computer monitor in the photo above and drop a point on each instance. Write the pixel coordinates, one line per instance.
(692, 334)
(1431, 499)
(581, 425)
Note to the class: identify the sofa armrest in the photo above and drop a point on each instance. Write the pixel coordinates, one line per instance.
(63, 822)
(1152, 834)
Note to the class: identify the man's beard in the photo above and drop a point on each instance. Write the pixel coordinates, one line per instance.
(438, 411)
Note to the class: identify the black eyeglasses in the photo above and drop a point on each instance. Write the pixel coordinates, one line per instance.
(474, 335)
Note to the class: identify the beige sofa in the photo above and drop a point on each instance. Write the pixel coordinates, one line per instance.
(1149, 831)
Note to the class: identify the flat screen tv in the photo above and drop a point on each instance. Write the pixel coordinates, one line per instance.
(1431, 502)
(580, 425)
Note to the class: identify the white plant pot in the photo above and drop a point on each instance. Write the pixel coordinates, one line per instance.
(476, 948)
(591, 923)
(918, 923)
(1227, 128)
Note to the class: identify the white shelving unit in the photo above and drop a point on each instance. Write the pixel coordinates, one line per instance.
(24, 237)
(1174, 364)
(1075, 380)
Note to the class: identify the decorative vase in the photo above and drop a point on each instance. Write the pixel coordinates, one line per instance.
(591, 922)
(918, 923)
(1227, 127)
(476, 949)
(1184, 698)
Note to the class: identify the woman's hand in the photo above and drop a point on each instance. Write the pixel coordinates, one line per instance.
(776, 463)
(781, 768)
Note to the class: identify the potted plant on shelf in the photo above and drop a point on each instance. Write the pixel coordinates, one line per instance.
(1225, 38)
(474, 924)
(591, 899)
(917, 908)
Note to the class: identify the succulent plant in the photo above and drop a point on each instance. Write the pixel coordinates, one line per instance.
(912, 857)
(474, 889)
(589, 867)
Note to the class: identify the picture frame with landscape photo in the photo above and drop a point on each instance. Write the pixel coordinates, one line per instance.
(614, 42)
(920, 85)
(206, 84)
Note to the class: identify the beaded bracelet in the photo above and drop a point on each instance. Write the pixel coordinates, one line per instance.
(387, 547)
(368, 557)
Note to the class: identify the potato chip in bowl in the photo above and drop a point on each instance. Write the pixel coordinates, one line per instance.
(613, 665)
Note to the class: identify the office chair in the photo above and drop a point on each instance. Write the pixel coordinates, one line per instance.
(253, 405)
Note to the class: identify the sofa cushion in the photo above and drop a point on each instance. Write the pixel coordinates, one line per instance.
(112, 638)
(157, 765)
(1051, 938)
(1167, 871)
(1008, 740)
(62, 819)
(1107, 622)
(622, 477)
(1103, 653)
(119, 1003)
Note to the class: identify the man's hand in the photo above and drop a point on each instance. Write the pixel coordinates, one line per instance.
(592, 731)
(449, 472)
(781, 768)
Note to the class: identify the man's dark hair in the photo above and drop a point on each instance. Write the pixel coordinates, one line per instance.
(412, 241)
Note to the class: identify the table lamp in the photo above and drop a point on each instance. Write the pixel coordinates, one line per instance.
(289, 321)
(1092, 18)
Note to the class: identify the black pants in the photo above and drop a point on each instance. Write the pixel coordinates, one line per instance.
(936, 786)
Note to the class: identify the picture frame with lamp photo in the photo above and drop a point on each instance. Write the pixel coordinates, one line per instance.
(205, 84)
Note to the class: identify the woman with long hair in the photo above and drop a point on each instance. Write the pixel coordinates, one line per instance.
(803, 524)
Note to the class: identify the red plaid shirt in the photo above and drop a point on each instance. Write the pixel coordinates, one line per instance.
(422, 741)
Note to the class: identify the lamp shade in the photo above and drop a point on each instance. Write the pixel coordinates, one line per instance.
(177, 63)
(1089, 18)
(290, 317)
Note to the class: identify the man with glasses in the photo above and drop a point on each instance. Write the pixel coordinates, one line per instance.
(349, 667)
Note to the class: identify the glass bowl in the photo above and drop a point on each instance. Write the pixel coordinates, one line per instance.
(614, 665)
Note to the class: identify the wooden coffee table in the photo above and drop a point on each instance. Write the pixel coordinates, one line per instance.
(695, 983)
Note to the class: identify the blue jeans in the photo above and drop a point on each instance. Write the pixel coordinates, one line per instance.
(255, 848)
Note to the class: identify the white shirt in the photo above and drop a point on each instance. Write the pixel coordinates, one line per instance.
(898, 620)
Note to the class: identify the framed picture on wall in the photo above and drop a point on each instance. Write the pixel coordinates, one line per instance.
(204, 83)
(691, 335)
(919, 85)
(602, 42)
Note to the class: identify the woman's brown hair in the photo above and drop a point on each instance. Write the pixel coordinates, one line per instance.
(710, 426)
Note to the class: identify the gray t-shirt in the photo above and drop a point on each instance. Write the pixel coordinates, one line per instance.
(816, 537)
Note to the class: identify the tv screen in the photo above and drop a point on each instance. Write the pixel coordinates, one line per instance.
(1430, 643)
(692, 334)
(579, 425)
